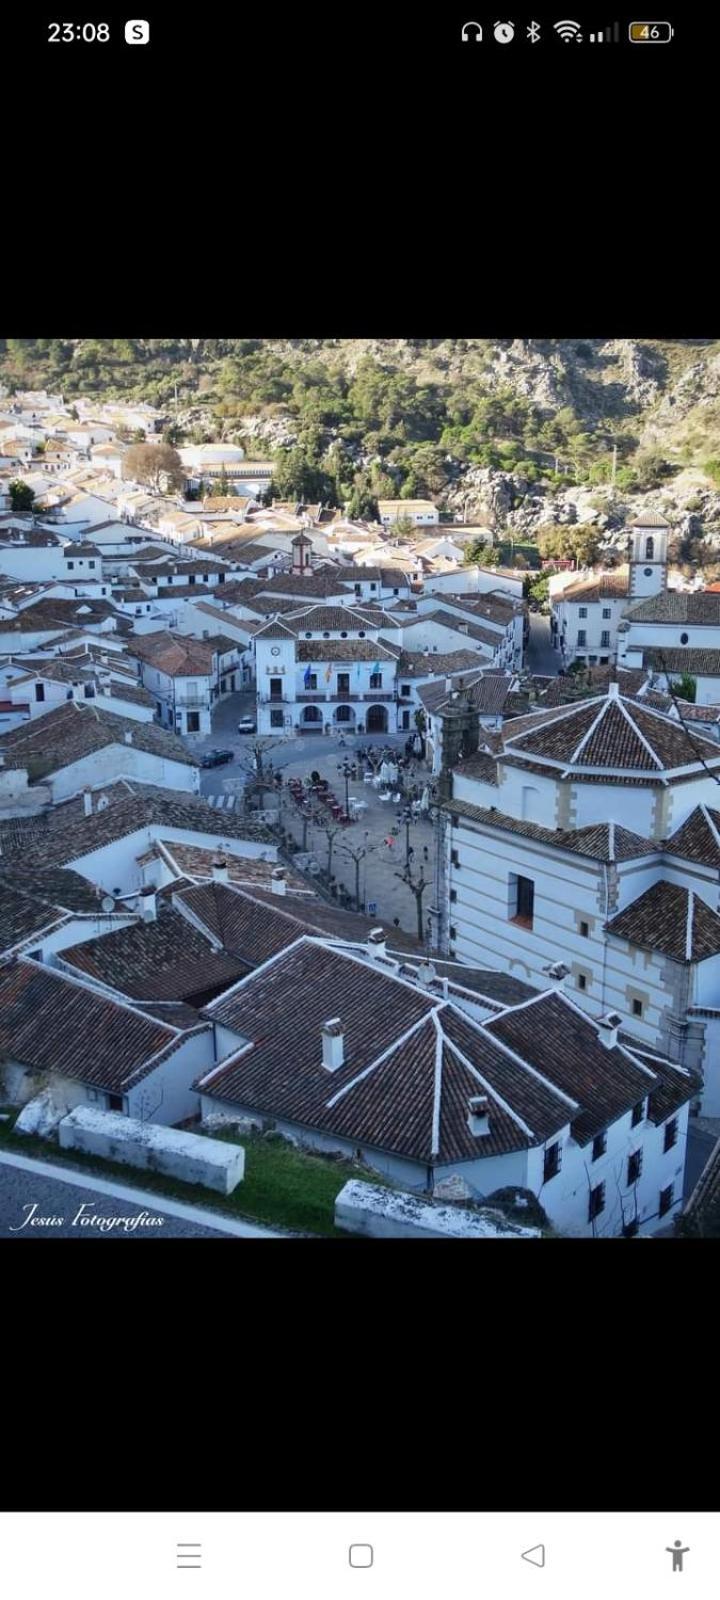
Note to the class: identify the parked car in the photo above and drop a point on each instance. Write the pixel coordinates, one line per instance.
(217, 758)
(247, 725)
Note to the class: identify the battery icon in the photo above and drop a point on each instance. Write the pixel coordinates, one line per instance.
(650, 32)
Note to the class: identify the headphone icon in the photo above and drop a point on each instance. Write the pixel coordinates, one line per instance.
(465, 35)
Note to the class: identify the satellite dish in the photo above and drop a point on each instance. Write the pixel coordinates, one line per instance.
(107, 903)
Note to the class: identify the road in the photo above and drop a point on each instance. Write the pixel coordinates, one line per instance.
(68, 1196)
(540, 656)
(293, 755)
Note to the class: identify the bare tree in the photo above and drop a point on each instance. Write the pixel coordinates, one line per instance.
(326, 824)
(417, 883)
(260, 772)
(156, 465)
(357, 854)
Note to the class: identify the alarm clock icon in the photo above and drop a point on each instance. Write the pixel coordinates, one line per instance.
(504, 32)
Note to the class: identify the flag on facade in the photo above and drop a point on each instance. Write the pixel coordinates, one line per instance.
(328, 674)
(357, 670)
(308, 675)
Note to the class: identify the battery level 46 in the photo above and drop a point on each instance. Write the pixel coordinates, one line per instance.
(650, 32)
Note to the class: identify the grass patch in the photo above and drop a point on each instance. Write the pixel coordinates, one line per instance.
(283, 1187)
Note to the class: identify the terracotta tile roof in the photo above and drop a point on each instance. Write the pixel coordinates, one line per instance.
(698, 838)
(22, 916)
(419, 664)
(254, 925)
(606, 734)
(54, 888)
(701, 608)
(163, 960)
(248, 872)
(560, 1041)
(487, 693)
(698, 662)
(412, 1064)
(600, 841)
(176, 654)
(345, 650)
(670, 919)
(600, 586)
(51, 1023)
(316, 618)
(64, 833)
(75, 729)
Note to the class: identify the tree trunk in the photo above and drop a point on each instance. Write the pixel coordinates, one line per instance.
(418, 902)
(357, 885)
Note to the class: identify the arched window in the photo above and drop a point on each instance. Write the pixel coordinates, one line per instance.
(342, 714)
(650, 549)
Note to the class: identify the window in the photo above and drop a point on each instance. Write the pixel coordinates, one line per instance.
(191, 578)
(597, 1202)
(607, 613)
(376, 680)
(599, 1146)
(308, 636)
(453, 932)
(221, 577)
(552, 1162)
(671, 1133)
(454, 857)
(404, 688)
(343, 683)
(343, 635)
(630, 1229)
(193, 722)
(326, 636)
(89, 691)
(115, 1102)
(312, 680)
(605, 640)
(585, 930)
(638, 1114)
(453, 895)
(39, 691)
(666, 1200)
(637, 1007)
(581, 981)
(634, 1166)
(582, 637)
(276, 719)
(71, 566)
(684, 637)
(91, 563)
(361, 633)
(583, 611)
(522, 900)
(650, 549)
(343, 714)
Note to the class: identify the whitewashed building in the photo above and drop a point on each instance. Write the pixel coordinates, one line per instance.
(589, 836)
(535, 1095)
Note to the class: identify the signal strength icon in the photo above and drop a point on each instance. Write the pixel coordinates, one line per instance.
(609, 35)
(568, 30)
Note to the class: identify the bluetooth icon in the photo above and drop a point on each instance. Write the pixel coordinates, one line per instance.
(533, 32)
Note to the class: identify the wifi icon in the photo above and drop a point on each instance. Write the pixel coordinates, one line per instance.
(568, 30)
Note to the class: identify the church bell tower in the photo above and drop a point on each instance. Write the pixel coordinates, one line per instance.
(648, 555)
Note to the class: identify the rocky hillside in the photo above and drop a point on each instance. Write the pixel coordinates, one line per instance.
(512, 433)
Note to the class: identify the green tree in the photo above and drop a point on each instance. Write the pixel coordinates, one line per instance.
(685, 688)
(22, 497)
(579, 542)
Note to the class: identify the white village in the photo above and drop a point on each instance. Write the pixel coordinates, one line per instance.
(343, 890)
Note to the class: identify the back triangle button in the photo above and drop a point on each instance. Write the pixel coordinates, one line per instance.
(536, 1555)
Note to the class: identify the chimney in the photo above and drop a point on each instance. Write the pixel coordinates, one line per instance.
(220, 871)
(426, 974)
(128, 736)
(87, 802)
(608, 1029)
(557, 973)
(376, 942)
(333, 1044)
(277, 881)
(479, 1116)
(148, 904)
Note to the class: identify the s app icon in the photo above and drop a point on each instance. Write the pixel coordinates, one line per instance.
(137, 32)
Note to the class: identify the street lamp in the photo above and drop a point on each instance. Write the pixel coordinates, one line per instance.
(345, 771)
